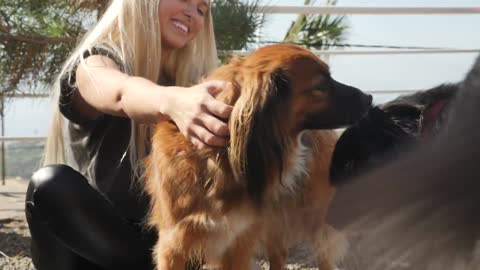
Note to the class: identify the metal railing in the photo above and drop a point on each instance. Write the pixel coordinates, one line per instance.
(475, 10)
(22, 139)
(377, 52)
(367, 10)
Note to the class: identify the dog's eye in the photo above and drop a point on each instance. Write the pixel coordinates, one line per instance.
(320, 89)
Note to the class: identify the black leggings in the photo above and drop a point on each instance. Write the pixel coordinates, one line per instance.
(74, 227)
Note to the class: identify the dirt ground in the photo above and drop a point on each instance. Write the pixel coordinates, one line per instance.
(14, 245)
(14, 234)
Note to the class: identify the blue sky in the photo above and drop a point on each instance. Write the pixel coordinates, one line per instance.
(383, 72)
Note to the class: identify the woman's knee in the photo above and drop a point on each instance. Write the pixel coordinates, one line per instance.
(53, 173)
(54, 186)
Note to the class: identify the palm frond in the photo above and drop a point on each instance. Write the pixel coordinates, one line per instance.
(236, 24)
(316, 30)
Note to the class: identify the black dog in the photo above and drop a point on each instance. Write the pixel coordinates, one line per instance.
(421, 211)
(389, 129)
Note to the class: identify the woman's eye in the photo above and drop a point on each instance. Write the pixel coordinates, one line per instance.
(201, 12)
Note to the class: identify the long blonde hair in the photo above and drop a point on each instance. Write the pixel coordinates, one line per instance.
(131, 29)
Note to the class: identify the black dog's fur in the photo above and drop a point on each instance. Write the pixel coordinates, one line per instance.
(421, 211)
(389, 129)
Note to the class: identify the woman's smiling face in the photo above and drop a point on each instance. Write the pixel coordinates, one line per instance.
(181, 21)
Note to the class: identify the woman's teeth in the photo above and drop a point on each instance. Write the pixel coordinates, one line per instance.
(181, 26)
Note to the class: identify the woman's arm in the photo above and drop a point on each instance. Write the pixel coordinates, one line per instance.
(103, 88)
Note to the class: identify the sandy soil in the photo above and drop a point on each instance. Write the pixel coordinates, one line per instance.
(14, 245)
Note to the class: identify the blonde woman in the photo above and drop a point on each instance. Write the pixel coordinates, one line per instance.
(136, 67)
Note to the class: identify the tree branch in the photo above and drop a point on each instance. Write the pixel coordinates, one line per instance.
(36, 40)
(3, 24)
(3, 28)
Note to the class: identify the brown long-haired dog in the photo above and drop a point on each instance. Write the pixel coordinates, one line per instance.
(211, 203)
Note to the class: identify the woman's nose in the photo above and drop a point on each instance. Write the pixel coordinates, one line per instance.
(190, 12)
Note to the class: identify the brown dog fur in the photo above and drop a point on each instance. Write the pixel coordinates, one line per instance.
(217, 203)
(299, 220)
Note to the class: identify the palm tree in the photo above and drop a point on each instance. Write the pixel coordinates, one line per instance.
(318, 31)
(236, 24)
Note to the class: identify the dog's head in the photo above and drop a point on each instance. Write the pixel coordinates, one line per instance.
(372, 141)
(386, 131)
(279, 91)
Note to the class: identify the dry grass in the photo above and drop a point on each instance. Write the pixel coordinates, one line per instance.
(14, 245)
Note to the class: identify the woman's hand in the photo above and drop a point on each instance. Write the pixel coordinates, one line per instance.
(198, 115)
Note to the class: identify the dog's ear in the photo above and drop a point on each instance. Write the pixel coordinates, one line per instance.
(257, 138)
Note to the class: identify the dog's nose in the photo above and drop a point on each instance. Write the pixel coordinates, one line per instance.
(368, 99)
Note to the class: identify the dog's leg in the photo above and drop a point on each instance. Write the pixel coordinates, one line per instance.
(240, 255)
(326, 263)
(175, 246)
(168, 256)
(275, 244)
(331, 246)
(277, 256)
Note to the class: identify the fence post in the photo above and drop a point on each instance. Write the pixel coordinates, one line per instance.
(2, 115)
